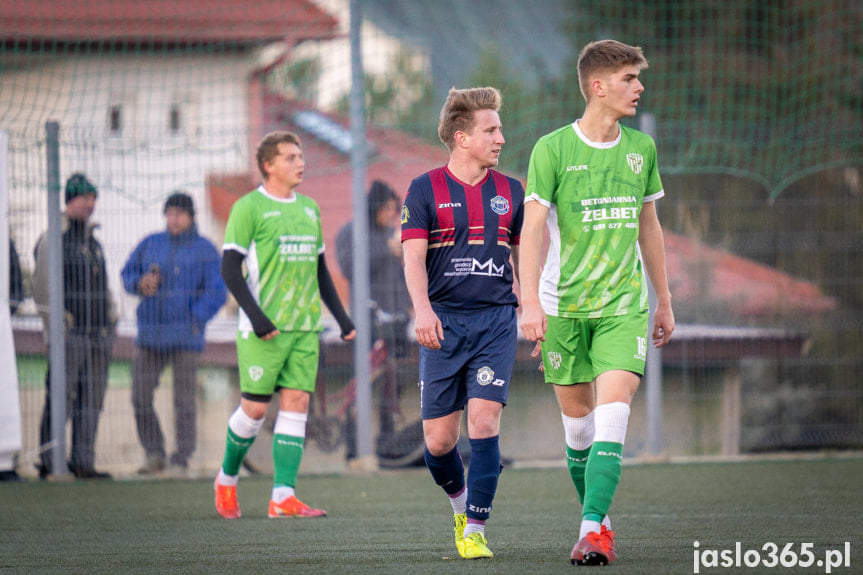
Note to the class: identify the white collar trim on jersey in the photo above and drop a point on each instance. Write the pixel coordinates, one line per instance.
(597, 145)
(290, 200)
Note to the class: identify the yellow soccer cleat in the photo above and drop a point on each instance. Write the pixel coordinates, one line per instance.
(476, 547)
(459, 521)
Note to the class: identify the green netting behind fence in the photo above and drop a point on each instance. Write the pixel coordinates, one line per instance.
(756, 107)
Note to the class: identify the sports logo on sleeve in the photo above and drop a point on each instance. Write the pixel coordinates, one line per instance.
(406, 214)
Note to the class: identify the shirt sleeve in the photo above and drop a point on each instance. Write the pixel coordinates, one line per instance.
(240, 228)
(541, 175)
(416, 220)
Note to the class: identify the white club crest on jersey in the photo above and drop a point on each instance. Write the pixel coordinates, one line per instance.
(635, 161)
(554, 359)
(311, 213)
(256, 372)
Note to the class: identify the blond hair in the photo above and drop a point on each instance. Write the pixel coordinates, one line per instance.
(606, 56)
(457, 114)
(269, 147)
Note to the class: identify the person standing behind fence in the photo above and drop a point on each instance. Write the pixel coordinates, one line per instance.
(176, 273)
(277, 232)
(89, 328)
(460, 224)
(595, 184)
(386, 273)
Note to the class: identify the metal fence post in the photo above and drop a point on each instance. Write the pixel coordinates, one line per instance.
(57, 343)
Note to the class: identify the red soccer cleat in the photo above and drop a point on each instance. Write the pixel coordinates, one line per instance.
(595, 549)
(226, 500)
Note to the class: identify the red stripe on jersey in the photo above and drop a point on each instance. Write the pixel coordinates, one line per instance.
(475, 213)
(504, 223)
(444, 235)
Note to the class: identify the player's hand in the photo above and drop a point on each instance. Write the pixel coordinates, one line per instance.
(537, 351)
(149, 284)
(271, 335)
(533, 322)
(428, 329)
(663, 324)
(349, 336)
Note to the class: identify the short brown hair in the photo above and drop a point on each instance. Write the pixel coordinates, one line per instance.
(606, 56)
(269, 147)
(458, 111)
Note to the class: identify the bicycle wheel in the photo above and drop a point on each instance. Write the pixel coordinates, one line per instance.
(326, 432)
(402, 448)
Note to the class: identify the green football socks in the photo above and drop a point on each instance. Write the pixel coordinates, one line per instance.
(576, 460)
(601, 477)
(287, 456)
(236, 448)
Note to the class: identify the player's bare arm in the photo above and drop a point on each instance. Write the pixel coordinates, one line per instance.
(533, 321)
(652, 244)
(427, 325)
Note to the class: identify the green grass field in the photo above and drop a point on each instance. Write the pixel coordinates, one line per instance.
(400, 522)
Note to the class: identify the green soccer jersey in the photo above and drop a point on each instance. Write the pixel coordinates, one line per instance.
(594, 192)
(280, 239)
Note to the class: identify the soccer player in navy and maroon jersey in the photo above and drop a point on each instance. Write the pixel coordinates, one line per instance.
(460, 224)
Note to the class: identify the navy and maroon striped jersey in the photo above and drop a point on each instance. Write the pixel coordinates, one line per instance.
(470, 231)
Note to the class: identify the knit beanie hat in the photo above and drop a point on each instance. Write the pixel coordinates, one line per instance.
(180, 200)
(79, 185)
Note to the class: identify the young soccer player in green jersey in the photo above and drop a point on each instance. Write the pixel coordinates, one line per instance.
(594, 183)
(277, 233)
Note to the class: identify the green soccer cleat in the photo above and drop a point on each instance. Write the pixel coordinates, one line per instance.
(459, 521)
(476, 547)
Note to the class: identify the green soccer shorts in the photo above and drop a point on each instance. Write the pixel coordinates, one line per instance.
(577, 350)
(289, 360)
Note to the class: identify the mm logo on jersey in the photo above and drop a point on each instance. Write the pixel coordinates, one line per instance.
(499, 205)
(486, 269)
(256, 372)
(635, 161)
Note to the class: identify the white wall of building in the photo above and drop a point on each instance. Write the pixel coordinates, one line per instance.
(136, 166)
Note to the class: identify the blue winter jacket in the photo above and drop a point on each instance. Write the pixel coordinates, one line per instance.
(190, 293)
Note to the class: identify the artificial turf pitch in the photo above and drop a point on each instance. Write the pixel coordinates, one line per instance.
(400, 522)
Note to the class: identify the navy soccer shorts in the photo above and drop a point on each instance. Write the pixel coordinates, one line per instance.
(476, 359)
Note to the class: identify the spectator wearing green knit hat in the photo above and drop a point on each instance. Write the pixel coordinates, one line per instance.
(88, 327)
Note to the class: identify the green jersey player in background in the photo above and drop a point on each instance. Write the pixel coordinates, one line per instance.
(594, 183)
(277, 233)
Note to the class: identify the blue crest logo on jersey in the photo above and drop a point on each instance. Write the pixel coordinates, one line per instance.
(499, 205)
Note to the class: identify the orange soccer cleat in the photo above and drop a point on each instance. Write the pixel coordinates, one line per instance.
(595, 549)
(226, 500)
(293, 507)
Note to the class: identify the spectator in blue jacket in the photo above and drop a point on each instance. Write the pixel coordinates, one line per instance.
(177, 275)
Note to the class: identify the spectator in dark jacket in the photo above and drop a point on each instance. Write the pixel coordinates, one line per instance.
(88, 321)
(177, 275)
(386, 275)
